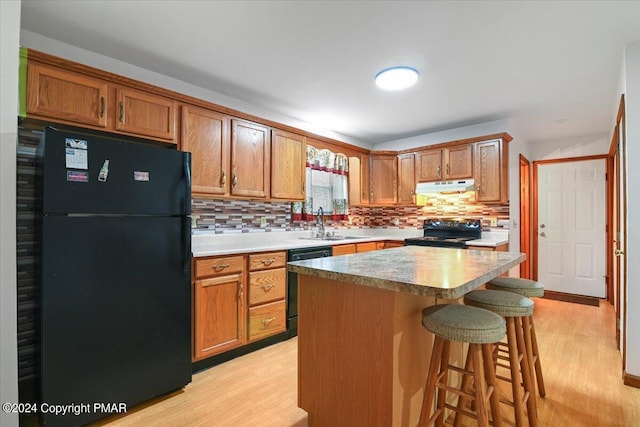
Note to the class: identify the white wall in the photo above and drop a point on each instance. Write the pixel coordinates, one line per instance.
(517, 146)
(54, 47)
(9, 44)
(487, 128)
(571, 147)
(632, 100)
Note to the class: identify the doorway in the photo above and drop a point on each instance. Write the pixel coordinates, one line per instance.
(570, 223)
(525, 216)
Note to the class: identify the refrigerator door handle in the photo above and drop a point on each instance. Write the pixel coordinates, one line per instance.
(186, 218)
(187, 174)
(186, 233)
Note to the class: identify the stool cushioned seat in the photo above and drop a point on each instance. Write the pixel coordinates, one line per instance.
(464, 323)
(524, 287)
(506, 304)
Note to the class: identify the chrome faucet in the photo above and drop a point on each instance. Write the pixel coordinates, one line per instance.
(320, 222)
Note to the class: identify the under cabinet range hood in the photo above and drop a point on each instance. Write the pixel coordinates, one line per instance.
(444, 186)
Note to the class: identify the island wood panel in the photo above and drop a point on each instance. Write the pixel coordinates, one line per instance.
(344, 379)
(373, 372)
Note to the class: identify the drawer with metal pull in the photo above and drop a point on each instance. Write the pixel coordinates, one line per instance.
(217, 266)
(267, 285)
(267, 260)
(266, 320)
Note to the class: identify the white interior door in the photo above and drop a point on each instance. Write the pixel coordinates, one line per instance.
(571, 227)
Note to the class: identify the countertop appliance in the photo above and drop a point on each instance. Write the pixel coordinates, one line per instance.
(292, 283)
(115, 272)
(447, 232)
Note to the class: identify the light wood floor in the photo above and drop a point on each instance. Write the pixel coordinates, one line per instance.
(582, 372)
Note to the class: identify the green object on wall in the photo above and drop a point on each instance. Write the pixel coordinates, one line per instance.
(22, 83)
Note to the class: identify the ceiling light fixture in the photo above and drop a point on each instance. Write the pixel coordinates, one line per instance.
(396, 78)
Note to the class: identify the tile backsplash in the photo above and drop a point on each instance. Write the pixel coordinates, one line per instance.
(244, 216)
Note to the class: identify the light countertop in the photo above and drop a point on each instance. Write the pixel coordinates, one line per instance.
(418, 270)
(227, 244)
(209, 244)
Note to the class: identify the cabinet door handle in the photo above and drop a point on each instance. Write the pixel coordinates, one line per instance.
(234, 180)
(268, 261)
(439, 176)
(220, 267)
(121, 114)
(268, 321)
(239, 290)
(223, 179)
(102, 106)
(447, 168)
(267, 288)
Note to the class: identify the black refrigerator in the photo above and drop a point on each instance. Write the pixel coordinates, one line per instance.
(115, 260)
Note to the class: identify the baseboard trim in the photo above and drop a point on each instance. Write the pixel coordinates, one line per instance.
(631, 380)
(578, 299)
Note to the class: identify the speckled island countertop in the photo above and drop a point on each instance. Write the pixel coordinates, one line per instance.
(419, 270)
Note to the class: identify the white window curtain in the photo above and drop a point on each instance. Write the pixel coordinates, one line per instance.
(326, 186)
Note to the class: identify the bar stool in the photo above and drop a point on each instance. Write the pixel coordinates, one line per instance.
(527, 288)
(481, 329)
(513, 308)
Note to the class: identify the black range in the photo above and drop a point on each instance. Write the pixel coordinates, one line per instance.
(447, 232)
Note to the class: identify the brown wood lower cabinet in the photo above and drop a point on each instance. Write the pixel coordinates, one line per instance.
(236, 300)
(393, 244)
(219, 305)
(499, 248)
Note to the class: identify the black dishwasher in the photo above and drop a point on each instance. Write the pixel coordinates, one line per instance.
(292, 283)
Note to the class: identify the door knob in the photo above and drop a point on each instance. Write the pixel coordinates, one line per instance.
(618, 252)
(543, 235)
(541, 225)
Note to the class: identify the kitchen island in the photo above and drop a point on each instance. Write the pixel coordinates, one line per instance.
(362, 351)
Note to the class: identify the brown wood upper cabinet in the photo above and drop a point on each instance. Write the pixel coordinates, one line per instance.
(64, 96)
(145, 114)
(205, 134)
(406, 178)
(383, 179)
(491, 171)
(455, 162)
(288, 162)
(53, 93)
(359, 180)
(250, 148)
